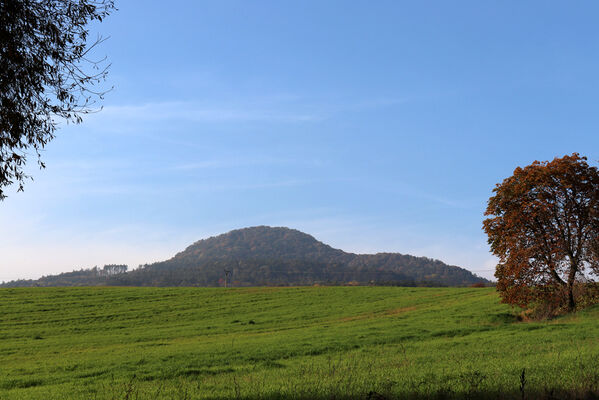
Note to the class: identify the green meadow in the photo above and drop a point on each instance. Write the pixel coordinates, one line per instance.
(301, 342)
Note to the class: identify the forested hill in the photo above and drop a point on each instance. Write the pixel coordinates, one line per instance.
(274, 256)
(263, 242)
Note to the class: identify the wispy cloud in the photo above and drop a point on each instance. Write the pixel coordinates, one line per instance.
(261, 109)
(238, 162)
(200, 112)
(190, 188)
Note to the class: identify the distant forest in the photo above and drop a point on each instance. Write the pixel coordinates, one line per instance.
(265, 256)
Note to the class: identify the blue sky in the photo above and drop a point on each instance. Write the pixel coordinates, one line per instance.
(374, 126)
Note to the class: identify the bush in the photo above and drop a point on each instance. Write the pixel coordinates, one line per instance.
(551, 300)
(478, 285)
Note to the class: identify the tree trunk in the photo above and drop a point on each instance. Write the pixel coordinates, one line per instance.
(571, 301)
(571, 281)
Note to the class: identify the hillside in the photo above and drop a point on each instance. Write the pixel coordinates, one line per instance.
(278, 343)
(263, 256)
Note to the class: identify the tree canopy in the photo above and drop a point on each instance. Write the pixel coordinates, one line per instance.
(46, 75)
(543, 224)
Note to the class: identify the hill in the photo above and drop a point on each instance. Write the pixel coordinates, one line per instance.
(263, 256)
(277, 343)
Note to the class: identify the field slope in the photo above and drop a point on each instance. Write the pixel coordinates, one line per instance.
(309, 342)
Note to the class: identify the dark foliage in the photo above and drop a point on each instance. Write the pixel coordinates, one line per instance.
(262, 256)
(46, 75)
(84, 277)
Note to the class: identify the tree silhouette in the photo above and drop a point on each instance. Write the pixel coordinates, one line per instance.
(543, 225)
(46, 75)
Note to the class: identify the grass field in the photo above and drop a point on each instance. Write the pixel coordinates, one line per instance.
(309, 342)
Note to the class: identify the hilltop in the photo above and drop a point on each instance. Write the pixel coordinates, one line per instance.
(263, 256)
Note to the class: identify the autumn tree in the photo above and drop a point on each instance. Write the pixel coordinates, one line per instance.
(543, 224)
(47, 75)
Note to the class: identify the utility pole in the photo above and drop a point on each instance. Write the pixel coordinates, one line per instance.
(227, 275)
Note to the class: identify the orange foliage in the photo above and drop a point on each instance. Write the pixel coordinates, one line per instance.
(543, 224)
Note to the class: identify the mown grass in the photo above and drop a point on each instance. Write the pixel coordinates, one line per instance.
(310, 342)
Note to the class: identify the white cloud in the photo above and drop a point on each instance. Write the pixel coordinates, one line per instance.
(195, 112)
(240, 161)
(233, 109)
